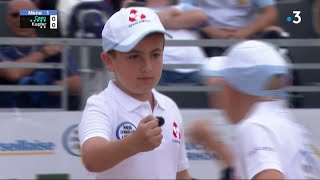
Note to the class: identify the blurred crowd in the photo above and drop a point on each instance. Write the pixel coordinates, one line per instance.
(184, 19)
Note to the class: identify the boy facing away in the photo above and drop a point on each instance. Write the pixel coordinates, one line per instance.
(268, 143)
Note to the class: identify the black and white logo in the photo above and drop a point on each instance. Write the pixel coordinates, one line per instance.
(125, 129)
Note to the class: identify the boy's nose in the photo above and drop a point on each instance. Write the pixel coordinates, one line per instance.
(146, 66)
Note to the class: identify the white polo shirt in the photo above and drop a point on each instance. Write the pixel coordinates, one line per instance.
(113, 114)
(269, 139)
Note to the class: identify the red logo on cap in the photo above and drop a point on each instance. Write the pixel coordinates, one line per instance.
(136, 16)
(176, 132)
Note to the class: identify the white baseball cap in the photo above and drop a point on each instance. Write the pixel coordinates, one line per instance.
(248, 66)
(127, 27)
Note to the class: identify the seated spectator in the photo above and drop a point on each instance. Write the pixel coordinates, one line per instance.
(240, 19)
(48, 5)
(32, 54)
(316, 16)
(118, 4)
(83, 18)
(65, 8)
(181, 21)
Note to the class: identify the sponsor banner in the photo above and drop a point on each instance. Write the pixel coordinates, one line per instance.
(25, 147)
(34, 144)
(39, 145)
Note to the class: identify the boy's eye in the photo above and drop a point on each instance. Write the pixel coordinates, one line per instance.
(156, 55)
(134, 56)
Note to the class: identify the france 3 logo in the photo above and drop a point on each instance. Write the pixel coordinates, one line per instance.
(296, 19)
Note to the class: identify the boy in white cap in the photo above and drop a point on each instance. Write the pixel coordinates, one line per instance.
(268, 144)
(120, 136)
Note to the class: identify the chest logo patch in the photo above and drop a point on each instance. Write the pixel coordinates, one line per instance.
(176, 133)
(125, 129)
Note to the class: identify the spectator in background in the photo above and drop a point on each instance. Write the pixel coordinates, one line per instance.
(83, 18)
(32, 54)
(118, 4)
(65, 12)
(240, 19)
(181, 20)
(316, 16)
(48, 5)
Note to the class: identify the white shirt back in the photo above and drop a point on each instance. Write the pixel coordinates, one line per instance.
(269, 139)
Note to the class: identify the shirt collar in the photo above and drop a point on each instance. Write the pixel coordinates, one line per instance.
(159, 99)
(130, 103)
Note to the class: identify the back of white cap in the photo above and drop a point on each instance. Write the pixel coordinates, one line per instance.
(254, 53)
(249, 65)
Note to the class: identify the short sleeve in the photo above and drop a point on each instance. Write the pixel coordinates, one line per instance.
(187, 7)
(263, 3)
(259, 150)
(96, 120)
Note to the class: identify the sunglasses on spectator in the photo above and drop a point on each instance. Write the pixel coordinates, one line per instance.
(15, 14)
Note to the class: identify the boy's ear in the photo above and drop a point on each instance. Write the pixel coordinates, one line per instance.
(107, 61)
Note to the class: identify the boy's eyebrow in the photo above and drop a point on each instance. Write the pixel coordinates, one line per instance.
(137, 51)
(158, 49)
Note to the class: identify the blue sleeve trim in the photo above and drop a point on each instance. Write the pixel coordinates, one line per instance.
(262, 3)
(187, 7)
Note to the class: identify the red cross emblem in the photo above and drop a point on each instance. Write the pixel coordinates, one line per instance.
(136, 16)
(176, 132)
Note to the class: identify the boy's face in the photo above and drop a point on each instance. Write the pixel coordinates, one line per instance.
(225, 98)
(217, 98)
(139, 70)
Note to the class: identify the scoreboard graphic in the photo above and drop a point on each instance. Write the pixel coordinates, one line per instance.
(40, 19)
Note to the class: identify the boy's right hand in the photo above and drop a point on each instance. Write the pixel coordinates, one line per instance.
(202, 132)
(148, 135)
